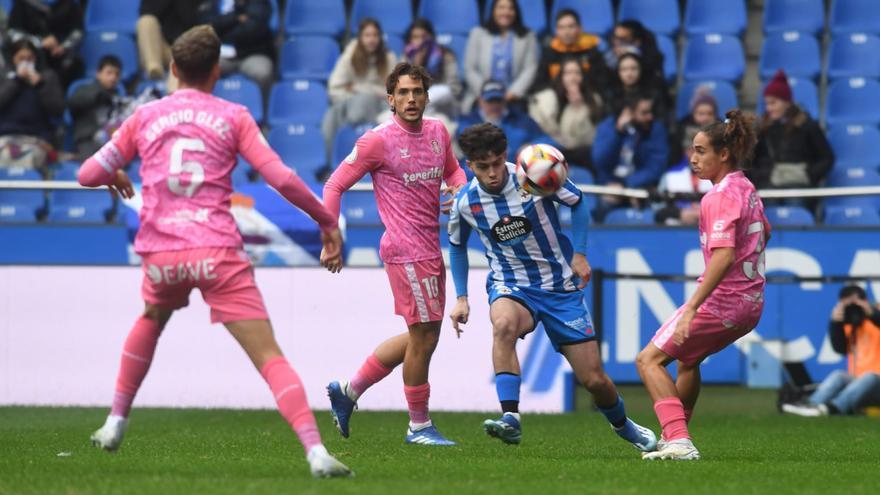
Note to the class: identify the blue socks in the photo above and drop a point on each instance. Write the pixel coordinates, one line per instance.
(507, 387)
(616, 414)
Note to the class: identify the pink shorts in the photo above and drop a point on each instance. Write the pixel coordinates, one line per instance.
(419, 289)
(708, 335)
(224, 275)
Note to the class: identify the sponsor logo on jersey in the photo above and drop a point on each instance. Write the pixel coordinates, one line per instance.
(435, 147)
(511, 230)
(577, 324)
(404, 153)
(504, 290)
(193, 271)
(718, 225)
(430, 174)
(716, 236)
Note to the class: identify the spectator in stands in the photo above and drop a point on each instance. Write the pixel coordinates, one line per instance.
(357, 83)
(572, 41)
(632, 37)
(159, 24)
(4, 18)
(569, 111)
(29, 98)
(248, 47)
(854, 332)
(630, 79)
(503, 50)
(56, 27)
(792, 150)
(631, 150)
(422, 49)
(92, 105)
(681, 178)
(516, 124)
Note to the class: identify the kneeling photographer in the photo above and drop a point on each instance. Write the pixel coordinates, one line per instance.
(855, 332)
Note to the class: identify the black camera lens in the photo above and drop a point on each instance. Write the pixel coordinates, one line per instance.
(853, 314)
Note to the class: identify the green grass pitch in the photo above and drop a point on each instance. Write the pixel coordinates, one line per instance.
(747, 448)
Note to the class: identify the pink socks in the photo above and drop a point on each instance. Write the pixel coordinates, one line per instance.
(688, 413)
(291, 399)
(672, 418)
(137, 354)
(371, 372)
(417, 399)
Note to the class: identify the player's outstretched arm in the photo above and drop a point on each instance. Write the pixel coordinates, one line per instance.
(104, 168)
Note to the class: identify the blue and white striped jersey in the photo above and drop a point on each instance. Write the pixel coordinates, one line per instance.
(524, 242)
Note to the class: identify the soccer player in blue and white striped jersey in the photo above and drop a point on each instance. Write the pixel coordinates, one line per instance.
(537, 275)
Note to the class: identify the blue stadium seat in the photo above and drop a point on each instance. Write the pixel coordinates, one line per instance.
(301, 148)
(854, 55)
(344, 142)
(533, 13)
(854, 175)
(66, 171)
(458, 45)
(274, 17)
(630, 216)
(297, 102)
(660, 16)
(597, 16)
(7, 5)
(796, 53)
(112, 15)
(360, 210)
(97, 44)
(21, 205)
(714, 56)
(715, 16)
(853, 101)
(241, 173)
(670, 57)
(854, 16)
(239, 89)
(395, 44)
(393, 15)
(723, 91)
(326, 17)
(80, 206)
(450, 16)
(308, 57)
(856, 216)
(805, 94)
(580, 175)
(19, 173)
(805, 16)
(68, 118)
(789, 216)
(855, 146)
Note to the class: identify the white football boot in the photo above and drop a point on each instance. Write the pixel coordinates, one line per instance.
(109, 437)
(681, 449)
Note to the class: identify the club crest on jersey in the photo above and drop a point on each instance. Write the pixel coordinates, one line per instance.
(404, 153)
(435, 147)
(476, 208)
(524, 196)
(511, 230)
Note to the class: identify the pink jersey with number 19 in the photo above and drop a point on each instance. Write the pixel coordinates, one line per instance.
(732, 215)
(188, 143)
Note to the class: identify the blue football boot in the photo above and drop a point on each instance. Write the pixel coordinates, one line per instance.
(341, 406)
(427, 436)
(506, 428)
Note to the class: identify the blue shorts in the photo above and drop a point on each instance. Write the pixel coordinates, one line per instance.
(565, 316)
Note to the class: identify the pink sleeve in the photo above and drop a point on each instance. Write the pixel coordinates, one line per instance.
(100, 168)
(452, 172)
(255, 149)
(366, 156)
(721, 213)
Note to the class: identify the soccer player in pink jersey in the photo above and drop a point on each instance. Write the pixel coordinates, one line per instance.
(408, 158)
(730, 297)
(188, 143)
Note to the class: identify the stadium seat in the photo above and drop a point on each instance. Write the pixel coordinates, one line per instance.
(80, 206)
(97, 44)
(855, 146)
(796, 53)
(394, 16)
(670, 57)
(805, 94)
(112, 15)
(714, 56)
(723, 91)
(597, 16)
(854, 16)
(789, 216)
(326, 18)
(854, 176)
(66, 171)
(241, 173)
(68, 118)
(360, 210)
(241, 90)
(308, 57)
(805, 16)
(297, 102)
(301, 148)
(660, 16)
(394, 43)
(7, 5)
(21, 205)
(715, 16)
(630, 216)
(853, 101)
(854, 55)
(533, 13)
(344, 142)
(580, 175)
(19, 173)
(450, 16)
(856, 216)
(458, 45)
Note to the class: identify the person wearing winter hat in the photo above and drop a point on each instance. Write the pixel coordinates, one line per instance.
(792, 149)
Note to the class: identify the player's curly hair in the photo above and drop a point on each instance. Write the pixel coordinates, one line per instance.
(736, 133)
(195, 53)
(416, 72)
(480, 140)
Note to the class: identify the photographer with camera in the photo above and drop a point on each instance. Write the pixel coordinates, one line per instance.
(854, 331)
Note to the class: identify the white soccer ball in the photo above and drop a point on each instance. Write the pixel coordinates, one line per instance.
(541, 169)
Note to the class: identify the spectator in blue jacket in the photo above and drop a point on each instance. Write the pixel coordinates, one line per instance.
(631, 149)
(517, 125)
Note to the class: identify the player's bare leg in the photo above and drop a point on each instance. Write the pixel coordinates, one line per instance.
(257, 340)
(137, 355)
(688, 385)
